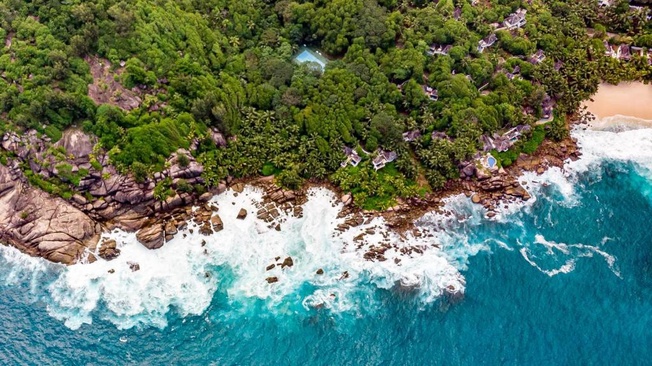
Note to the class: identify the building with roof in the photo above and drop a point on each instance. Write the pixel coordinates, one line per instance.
(438, 135)
(383, 158)
(486, 42)
(515, 20)
(411, 135)
(352, 157)
(431, 93)
(537, 57)
(439, 49)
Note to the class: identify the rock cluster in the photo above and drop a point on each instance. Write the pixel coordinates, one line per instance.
(61, 230)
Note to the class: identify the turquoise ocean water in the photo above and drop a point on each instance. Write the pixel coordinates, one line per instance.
(566, 279)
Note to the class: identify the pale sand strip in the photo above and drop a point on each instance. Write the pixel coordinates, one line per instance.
(625, 104)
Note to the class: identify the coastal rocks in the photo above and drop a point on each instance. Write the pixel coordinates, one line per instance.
(346, 199)
(151, 237)
(76, 143)
(217, 223)
(108, 250)
(320, 271)
(242, 214)
(271, 279)
(493, 184)
(134, 266)
(41, 225)
(287, 262)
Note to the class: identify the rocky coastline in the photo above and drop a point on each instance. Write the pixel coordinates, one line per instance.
(68, 230)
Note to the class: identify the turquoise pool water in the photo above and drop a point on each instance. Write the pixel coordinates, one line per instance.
(491, 161)
(307, 55)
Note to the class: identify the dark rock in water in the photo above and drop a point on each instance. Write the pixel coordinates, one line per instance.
(206, 229)
(112, 270)
(271, 266)
(91, 258)
(218, 225)
(134, 266)
(238, 187)
(108, 250)
(320, 271)
(203, 243)
(170, 228)
(345, 275)
(287, 262)
(271, 279)
(277, 258)
(242, 214)
(278, 227)
(151, 237)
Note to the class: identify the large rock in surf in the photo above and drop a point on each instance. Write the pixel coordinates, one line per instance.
(108, 249)
(218, 225)
(152, 236)
(242, 214)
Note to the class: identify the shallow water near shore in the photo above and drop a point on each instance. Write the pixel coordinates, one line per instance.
(563, 279)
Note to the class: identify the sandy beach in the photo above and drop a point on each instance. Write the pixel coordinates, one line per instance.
(624, 105)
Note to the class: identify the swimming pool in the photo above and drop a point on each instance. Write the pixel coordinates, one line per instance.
(307, 55)
(491, 161)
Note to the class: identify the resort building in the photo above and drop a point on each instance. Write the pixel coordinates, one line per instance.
(538, 57)
(411, 135)
(638, 51)
(558, 65)
(625, 53)
(436, 135)
(488, 41)
(515, 20)
(457, 13)
(432, 93)
(312, 57)
(505, 141)
(383, 158)
(515, 72)
(439, 49)
(352, 157)
(547, 107)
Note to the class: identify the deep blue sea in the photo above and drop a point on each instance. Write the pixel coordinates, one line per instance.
(563, 280)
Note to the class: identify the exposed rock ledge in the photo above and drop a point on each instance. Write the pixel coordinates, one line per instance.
(41, 225)
(61, 230)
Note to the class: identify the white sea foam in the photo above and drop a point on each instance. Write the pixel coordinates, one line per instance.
(184, 275)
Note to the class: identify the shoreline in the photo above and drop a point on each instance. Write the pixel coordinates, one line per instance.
(126, 204)
(622, 106)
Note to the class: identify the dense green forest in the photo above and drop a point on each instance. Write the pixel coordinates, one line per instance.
(227, 65)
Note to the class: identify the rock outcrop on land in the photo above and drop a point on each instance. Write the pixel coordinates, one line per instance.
(39, 224)
(61, 230)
